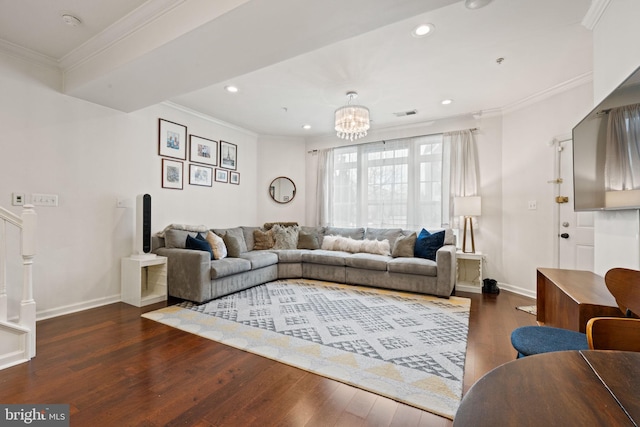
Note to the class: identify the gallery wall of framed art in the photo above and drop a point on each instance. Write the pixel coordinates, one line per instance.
(206, 160)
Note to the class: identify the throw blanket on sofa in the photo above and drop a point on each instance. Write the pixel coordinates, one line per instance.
(185, 227)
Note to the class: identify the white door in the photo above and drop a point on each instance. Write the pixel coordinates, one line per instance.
(575, 229)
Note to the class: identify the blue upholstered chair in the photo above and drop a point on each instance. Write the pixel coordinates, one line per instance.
(603, 333)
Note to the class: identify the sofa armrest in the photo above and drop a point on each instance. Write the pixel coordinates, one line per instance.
(188, 273)
(446, 264)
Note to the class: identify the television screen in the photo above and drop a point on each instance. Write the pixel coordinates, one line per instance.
(606, 152)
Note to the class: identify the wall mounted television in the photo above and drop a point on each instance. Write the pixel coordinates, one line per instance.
(594, 187)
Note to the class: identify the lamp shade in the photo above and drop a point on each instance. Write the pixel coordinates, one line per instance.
(467, 206)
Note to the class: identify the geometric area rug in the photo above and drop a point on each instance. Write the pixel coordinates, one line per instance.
(408, 347)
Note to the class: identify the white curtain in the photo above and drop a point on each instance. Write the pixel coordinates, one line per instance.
(622, 164)
(464, 168)
(324, 188)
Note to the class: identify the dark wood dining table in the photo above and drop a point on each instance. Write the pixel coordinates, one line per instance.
(567, 388)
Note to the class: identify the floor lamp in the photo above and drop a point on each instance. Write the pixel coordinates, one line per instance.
(467, 207)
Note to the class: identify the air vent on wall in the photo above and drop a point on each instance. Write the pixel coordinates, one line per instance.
(405, 113)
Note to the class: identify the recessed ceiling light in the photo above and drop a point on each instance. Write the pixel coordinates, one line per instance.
(71, 20)
(231, 89)
(423, 30)
(446, 101)
(306, 127)
(476, 4)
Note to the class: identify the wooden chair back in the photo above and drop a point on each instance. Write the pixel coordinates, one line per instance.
(624, 285)
(613, 333)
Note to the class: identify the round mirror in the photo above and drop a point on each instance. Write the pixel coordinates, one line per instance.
(282, 189)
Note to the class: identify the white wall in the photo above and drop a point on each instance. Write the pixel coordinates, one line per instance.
(527, 166)
(281, 156)
(616, 56)
(89, 155)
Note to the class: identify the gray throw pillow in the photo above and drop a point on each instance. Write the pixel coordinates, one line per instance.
(404, 246)
(233, 245)
(308, 240)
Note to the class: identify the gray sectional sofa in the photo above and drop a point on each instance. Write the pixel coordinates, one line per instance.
(194, 276)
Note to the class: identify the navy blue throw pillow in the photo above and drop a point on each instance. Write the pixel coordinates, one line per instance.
(199, 243)
(427, 244)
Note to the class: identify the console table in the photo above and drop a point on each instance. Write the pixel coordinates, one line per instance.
(565, 388)
(569, 298)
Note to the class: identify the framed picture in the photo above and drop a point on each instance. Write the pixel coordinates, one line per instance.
(203, 150)
(172, 140)
(234, 178)
(172, 174)
(228, 155)
(200, 175)
(222, 175)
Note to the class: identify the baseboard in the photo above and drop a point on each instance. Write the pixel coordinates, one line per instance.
(12, 359)
(517, 290)
(74, 308)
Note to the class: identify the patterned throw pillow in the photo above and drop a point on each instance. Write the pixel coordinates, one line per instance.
(263, 240)
(286, 237)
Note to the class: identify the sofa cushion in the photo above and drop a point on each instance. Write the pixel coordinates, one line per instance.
(286, 237)
(427, 244)
(390, 234)
(228, 266)
(404, 246)
(177, 238)
(259, 259)
(263, 240)
(217, 245)
(321, 256)
(368, 261)
(354, 233)
(421, 266)
(248, 233)
(290, 255)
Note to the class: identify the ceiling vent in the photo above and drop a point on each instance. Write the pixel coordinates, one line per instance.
(406, 113)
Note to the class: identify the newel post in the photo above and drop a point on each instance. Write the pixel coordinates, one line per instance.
(28, 305)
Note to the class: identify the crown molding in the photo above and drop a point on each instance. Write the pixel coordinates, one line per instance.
(19, 52)
(595, 12)
(119, 30)
(547, 93)
(208, 118)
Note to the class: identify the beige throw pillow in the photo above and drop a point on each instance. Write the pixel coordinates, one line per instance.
(217, 245)
(263, 240)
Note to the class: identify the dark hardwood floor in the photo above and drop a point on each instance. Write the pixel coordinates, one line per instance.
(115, 368)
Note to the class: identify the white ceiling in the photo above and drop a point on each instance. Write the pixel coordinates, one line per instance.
(294, 60)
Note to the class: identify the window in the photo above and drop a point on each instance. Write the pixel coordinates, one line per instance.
(388, 184)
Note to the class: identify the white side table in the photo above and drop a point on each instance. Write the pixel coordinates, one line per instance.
(144, 281)
(469, 274)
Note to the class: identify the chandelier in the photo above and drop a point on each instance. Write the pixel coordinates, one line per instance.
(352, 121)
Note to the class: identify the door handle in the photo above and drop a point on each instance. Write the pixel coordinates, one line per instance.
(565, 235)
